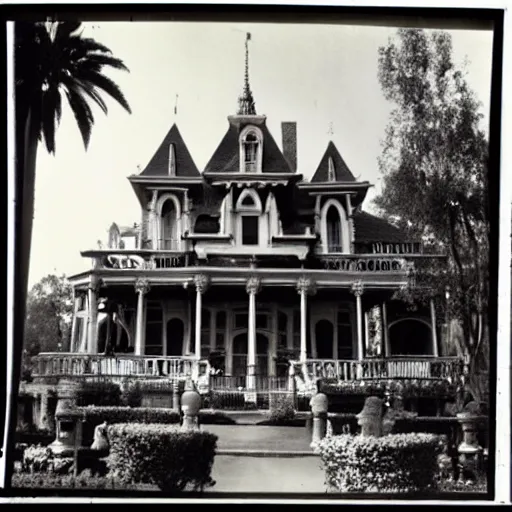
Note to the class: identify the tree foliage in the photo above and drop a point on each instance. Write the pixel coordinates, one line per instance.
(49, 316)
(434, 167)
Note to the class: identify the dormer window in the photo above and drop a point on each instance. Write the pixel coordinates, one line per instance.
(251, 143)
(334, 228)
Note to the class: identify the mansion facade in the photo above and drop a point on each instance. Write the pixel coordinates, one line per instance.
(247, 269)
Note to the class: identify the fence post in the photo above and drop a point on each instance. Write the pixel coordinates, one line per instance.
(176, 394)
(292, 385)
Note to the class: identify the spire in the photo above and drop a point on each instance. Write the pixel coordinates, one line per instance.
(246, 106)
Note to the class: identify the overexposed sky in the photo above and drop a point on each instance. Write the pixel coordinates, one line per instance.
(312, 74)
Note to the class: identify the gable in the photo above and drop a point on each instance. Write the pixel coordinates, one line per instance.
(341, 170)
(159, 163)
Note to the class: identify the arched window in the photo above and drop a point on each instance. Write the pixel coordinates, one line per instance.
(251, 146)
(248, 209)
(169, 230)
(333, 230)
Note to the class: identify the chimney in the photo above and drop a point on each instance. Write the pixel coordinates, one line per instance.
(289, 131)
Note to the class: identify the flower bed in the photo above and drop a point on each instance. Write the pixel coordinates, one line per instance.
(161, 455)
(394, 463)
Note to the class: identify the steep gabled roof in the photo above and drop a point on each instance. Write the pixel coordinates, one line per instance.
(159, 163)
(341, 170)
(226, 157)
(369, 228)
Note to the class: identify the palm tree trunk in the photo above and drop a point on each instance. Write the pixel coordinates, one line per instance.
(26, 149)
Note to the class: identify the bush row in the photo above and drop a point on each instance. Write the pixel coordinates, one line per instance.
(392, 463)
(161, 455)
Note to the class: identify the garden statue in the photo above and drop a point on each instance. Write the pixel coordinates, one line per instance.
(319, 408)
(470, 451)
(100, 437)
(370, 418)
(190, 406)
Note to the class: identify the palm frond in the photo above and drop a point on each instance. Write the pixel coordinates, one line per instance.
(95, 61)
(91, 91)
(66, 28)
(83, 114)
(50, 112)
(106, 84)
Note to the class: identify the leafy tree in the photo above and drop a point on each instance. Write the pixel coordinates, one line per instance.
(434, 167)
(49, 316)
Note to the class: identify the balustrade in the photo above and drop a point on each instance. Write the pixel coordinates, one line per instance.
(83, 365)
(356, 263)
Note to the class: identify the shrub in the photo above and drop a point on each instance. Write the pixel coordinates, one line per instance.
(94, 416)
(132, 395)
(52, 481)
(99, 393)
(281, 408)
(226, 400)
(393, 463)
(161, 455)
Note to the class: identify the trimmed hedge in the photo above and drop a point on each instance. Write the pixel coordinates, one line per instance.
(281, 408)
(393, 463)
(162, 455)
(98, 393)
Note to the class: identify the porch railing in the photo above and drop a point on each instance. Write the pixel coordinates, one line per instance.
(239, 382)
(83, 365)
(433, 368)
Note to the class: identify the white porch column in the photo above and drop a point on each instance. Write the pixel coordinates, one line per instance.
(201, 282)
(357, 290)
(305, 286)
(387, 347)
(435, 349)
(72, 344)
(141, 287)
(151, 228)
(92, 339)
(253, 286)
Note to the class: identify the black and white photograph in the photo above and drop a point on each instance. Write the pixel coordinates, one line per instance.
(256, 257)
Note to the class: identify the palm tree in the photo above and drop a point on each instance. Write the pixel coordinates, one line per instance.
(52, 60)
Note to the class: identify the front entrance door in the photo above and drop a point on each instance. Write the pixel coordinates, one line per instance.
(240, 348)
(175, 331)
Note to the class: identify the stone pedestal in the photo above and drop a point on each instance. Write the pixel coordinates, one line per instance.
(68, 420)
(370, 418)
(319, 408)
(470, 452)
(190, 406)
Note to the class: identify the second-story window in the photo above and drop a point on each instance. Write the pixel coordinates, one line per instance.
(249, 214)
(333, 230)
(250, 150)
(169, 239)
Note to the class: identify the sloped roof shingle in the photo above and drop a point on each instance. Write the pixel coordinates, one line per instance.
(369, 228)
(341, 170)
(226, 157)
(159, 163)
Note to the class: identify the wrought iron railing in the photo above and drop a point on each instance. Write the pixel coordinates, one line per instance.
(366, 263)
(138, 259)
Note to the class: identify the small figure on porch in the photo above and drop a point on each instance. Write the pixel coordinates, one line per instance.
(100, 438)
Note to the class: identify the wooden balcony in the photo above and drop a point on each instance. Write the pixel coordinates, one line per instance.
(60, 364)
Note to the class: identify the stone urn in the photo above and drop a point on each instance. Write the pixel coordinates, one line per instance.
(370, 418)
(319, 408)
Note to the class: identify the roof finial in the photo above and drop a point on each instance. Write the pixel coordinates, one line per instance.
(246, 105)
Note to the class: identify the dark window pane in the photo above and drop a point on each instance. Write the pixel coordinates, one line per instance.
(154, 314)
(205, 337)
(248, 201)
(219, 340)
(153, 334)
(344, 341)
(250, 230)
(296, 321)
(205, 318)
(261, 321)
(343, 317)
(241, 320)
(282, 322)
(282, 341)
(221, 320)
